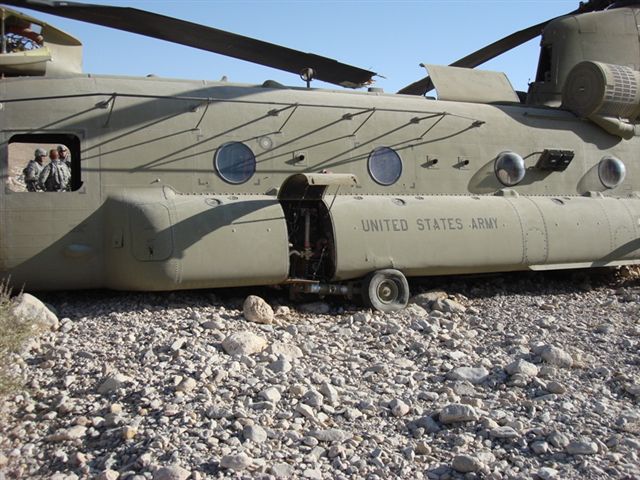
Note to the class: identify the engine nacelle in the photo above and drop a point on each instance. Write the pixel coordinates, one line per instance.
(596, 88)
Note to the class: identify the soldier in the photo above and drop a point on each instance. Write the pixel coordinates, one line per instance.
(55, 175)
(33, 169)
(64, 155)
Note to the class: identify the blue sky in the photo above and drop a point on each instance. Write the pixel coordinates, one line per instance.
(388, 37)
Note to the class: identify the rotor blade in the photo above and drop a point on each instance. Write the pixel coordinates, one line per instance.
(205, 38)
(423, 86)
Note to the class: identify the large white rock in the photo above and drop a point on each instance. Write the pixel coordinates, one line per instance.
(243, 343)
(556, 356)
(271, 394)
(255, 433)
(466, 464)
(331, 435)
(504, 432)
(29, 309)
(523, 367)
(475, 375)
(282, 470)
(448, 306)
(255, 309)
(186, 385)
(172, 472)
(236, 462)
(582, 447)
(286, 350)
(108, 474)
(73, 433)
(426, 299)
(548, 473)
(456, 412)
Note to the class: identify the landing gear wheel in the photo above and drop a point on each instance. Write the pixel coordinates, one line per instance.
(385, 290)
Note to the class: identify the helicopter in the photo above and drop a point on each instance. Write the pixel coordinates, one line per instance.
(180, 184)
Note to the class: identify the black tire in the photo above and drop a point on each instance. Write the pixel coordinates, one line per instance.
(385, 290)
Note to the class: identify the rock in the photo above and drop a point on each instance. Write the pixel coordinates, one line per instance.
(466, 464)
(186, 385)
(255, 309)
(108, 475)
(243, 343)
(428, 424)
(505, 432)
(556, 387)
(448, 306)
(177, 344)
(582, 447)
(539, 447)
(330, 393)
(423, 448)
(548, 473)
(399, 408)
(282, 365)
(633, 389)
(313, 398)
(112, 383)
(426, 299)
(456, 412)
(556, 356)
(557, 439)
(312, 474)
(286, 350)
(172, 472)
(128, 432)
(74, 433)
(415, 311)
(282, 311)
(469, 374)
(271, 394)
(77, 459)
(255, 433)
(331, 435)
(306, 411)
(236, 462)
(29, 309)
(212, 325)
(522, 367)
(367, 395)
(282, 470)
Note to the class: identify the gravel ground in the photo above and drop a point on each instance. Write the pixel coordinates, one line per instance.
(513, 376)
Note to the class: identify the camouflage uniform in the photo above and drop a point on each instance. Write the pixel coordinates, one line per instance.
(32, 171)
(64, 155)
(55, 177)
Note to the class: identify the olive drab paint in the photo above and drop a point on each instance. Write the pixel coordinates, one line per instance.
(159, 203)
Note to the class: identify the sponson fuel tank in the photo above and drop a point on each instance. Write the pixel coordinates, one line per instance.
(432, 235)
(157, 239)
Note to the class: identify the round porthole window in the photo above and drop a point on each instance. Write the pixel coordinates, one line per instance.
(235, 162)
(510, 168)
(611, 171)
(385, 166)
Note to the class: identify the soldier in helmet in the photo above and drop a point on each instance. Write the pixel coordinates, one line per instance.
(64, 155)
(33, 169)
(55, 175)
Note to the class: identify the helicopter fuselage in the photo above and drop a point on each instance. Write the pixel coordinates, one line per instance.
(155, 205)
